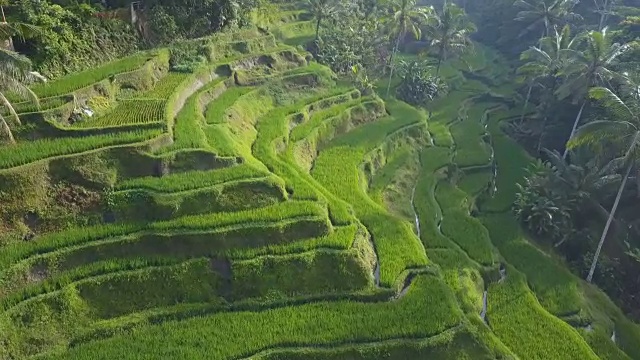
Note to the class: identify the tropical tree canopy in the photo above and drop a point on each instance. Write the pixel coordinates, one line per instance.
(590, 63)
(407, 18)
(544, 15)
(621, 130)
(15, 73)
(450, 30)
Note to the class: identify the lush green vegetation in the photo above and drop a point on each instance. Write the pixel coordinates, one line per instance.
(31, 151)
(348, 320)
(318, 179)
(89, 77)
(130, 112)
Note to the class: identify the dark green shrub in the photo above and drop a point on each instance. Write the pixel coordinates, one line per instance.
(418, 85)
(187, 56)
(541, 210)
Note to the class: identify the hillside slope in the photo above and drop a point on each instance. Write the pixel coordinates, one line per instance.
(261, 208)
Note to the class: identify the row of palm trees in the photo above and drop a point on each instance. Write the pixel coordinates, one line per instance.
(568, 66)
(448, 28)
(582, 69)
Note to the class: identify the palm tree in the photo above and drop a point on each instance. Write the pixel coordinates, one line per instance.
(2, 4)
(407, 18)
(321, 9)
(14, 73)
(544, 61)
(450, 31)
(540, 14)
(590, 67)
(623, 131)
(604, 8)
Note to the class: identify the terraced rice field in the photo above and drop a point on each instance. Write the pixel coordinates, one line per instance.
(129, 112)
(290, 218)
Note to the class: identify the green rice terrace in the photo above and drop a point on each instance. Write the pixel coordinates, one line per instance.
(264, 207)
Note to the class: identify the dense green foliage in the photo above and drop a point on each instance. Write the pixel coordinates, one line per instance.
(418, 86)
(71, 38)
(347, 320)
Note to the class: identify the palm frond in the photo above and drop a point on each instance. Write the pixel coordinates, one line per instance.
(7, 104)
(612, 102)
(523, 4)
(612, 166)
(556, 160)
(607, 181)
(4, 128)
(11, 61)
(596, 132)
(22, 30)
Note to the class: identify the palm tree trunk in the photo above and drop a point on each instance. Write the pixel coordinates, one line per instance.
(7, 130)
(603, 15)
(318, 27)
(438, 67)
(526, 103)
(544, 125)
(393, 55)
(440, 56)
(613, 210)
(638, 183)
(4, 19)
(573, 130)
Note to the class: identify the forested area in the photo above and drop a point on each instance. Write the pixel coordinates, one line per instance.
(75, 35)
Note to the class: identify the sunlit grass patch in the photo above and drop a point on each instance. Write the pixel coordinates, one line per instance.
(337, 168)
(129, 112)
(190, 224)
(225, 335)
(556, 288)
(88, 77)
(512, 162)
(471, 150)
(476, 182)
(526, 328)
(27, 152)
(191, 180)
(311, 273)
(216, 110)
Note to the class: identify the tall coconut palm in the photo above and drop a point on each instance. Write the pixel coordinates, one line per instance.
(604, 8)
(544, 61)
(321, 9)
(450, 31)
(591, 66)
(14, 74)
(407, 19)
(623, 130)
(4, 18)
(544, 15)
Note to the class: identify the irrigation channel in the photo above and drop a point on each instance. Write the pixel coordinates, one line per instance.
(491, 189)
(413, 207)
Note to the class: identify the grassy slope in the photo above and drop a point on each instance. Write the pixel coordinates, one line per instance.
(338, 169)
(223, 336)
